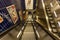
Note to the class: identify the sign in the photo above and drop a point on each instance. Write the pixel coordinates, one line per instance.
(12, 11)
(29, 4)
(2, 4)
(8, 2)
(22, 4)
(1, 19)
(5, 20)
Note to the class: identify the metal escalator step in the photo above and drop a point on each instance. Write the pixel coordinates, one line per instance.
(48, 9)
(29, 28)
(28, 36)
(48, 12)
(50, 15)
(28, 33)
(54, 30)
(53, 25)
(51, 18)
(52, 22)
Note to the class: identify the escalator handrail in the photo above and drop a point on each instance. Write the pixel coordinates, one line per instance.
(49, 28)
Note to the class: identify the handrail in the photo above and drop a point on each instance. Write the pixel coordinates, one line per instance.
(50, 33)
(49, 28)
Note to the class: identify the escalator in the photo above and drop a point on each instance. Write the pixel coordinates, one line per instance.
(44, 28)
(34, 32)
(41, 33)
(53, 23)
(28, 33)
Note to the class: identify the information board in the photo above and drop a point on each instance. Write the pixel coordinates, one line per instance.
(29, 4)
(8, 2)
(12, 11)
(5, 20)
(8, 16)
(2, 4)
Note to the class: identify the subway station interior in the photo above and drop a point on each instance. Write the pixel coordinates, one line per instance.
(29, 20)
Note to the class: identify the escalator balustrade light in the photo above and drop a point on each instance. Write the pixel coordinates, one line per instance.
(55, 14)
(54, 30)
(51, 4)
(59, 24)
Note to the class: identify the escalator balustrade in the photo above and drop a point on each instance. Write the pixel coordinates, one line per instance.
(51, 20)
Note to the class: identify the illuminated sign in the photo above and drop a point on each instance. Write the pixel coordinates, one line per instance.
(12, 11)
(5, 20)
(29, 4)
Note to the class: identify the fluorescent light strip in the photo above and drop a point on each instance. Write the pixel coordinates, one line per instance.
(20, 31)
(54, 11)
(51, 5)
(37, 34)
(59, 23)
(55, 14)
(22, 27)
(19, 34)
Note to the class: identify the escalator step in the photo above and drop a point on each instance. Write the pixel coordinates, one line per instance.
(48, 12)
(49, 15)
(51, 22)
(53, 25)
(54, 30)
(51, 18)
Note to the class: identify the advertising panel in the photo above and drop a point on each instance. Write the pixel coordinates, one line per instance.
(12, 11)
(2, 4)
(29, 4)
(8, 2)
(5, 20)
